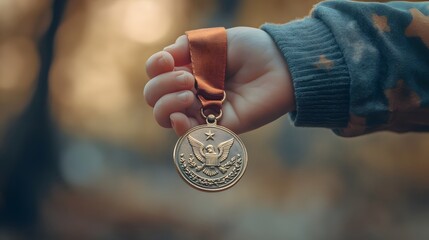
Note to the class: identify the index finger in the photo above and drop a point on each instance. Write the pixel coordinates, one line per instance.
(158, 63)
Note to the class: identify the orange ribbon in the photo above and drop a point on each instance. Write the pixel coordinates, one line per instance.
(208, 56)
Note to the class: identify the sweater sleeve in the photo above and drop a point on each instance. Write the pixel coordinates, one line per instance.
(359, 67)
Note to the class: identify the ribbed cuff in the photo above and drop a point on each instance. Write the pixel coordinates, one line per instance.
(319, 72)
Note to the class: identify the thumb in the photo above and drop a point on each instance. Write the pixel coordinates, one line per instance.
(180, 51)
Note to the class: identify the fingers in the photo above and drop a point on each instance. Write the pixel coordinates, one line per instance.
(170, 90)
(167, 83)
(176, 55)
(180, 51)
(171, 103)
(160, 62)
(182, 123)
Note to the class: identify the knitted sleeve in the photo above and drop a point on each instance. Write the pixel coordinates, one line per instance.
(359, 67)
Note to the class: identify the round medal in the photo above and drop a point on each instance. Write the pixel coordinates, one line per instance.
(210, 157)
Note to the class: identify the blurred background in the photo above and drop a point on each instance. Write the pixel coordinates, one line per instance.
(81, 156)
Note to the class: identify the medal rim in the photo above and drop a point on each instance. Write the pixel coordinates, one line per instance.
(179, 142)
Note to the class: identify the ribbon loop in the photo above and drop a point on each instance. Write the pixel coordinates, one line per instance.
(208, 56)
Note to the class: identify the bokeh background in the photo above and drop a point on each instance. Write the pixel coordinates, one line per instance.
(81, 156)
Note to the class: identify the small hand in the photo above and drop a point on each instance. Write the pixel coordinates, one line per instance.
(258, 84)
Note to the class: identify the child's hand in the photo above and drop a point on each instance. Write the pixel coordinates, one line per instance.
(258, 85)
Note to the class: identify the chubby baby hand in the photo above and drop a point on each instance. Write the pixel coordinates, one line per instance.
(258, 84)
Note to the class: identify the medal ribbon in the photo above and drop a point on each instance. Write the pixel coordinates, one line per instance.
(208, 57)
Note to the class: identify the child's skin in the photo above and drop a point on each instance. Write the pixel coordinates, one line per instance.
(258, 84)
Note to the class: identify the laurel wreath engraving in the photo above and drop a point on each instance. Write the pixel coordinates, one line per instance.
(235, 162)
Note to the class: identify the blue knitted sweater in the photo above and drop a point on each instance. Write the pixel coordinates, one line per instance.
(359, 67)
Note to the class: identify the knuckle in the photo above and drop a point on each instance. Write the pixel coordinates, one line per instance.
(161, 111)
(160, 117)
(147, 94)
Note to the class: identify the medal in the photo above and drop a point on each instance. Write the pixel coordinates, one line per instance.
(210, 157)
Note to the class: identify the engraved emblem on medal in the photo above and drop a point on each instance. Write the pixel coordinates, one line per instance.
(210, 157)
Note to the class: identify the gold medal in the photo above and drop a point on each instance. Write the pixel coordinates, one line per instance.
(210, 157)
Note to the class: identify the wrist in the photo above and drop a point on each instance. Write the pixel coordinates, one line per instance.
(320, 76)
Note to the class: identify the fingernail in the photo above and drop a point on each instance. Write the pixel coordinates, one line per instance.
(183, 96)
(169, 47)
(162, 60)
(182, 77)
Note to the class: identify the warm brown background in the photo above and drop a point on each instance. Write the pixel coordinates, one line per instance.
(108, 172)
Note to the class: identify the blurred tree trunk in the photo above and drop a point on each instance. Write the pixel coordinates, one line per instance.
(27, 153)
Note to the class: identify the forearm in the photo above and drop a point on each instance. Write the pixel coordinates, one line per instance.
(359, 67)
